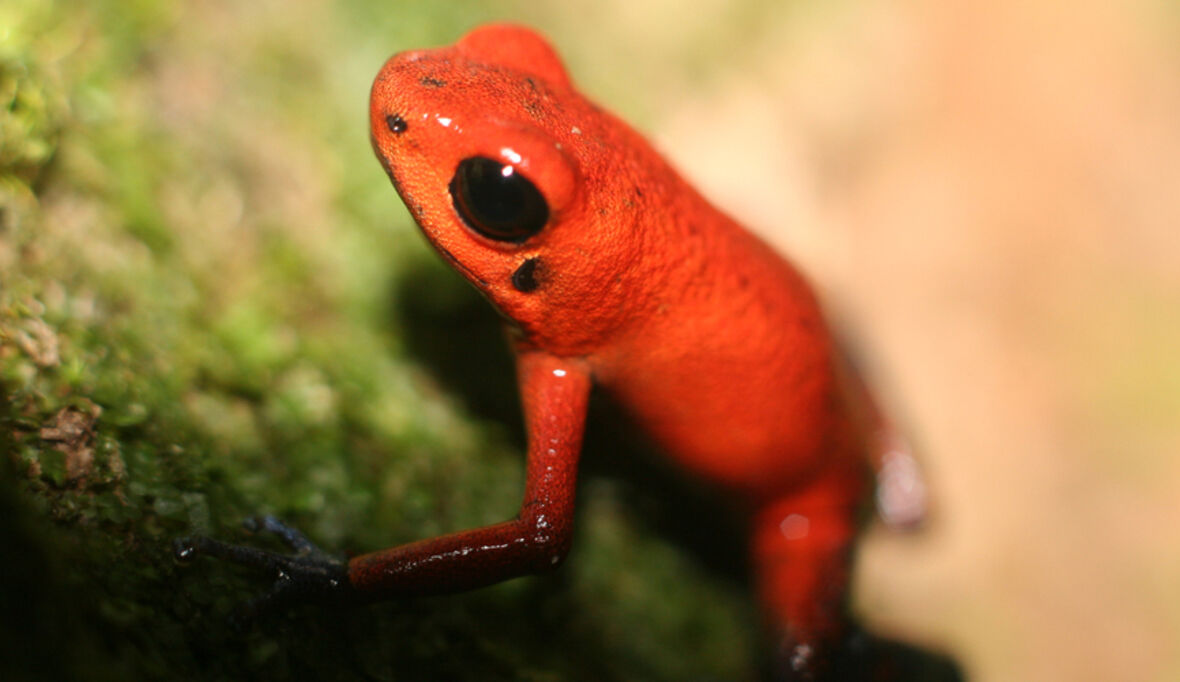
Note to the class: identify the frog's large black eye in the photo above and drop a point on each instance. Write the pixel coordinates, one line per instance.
(496, 201)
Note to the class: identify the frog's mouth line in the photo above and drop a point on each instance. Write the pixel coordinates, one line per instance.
(482, 288)
(450, 257)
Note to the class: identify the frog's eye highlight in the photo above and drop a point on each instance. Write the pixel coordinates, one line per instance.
(496, 201)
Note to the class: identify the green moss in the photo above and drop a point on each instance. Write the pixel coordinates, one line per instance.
(212, 306)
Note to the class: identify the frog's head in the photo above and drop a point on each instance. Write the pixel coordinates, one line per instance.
(488, 145)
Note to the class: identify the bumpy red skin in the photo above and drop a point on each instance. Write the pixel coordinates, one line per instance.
(708, 338)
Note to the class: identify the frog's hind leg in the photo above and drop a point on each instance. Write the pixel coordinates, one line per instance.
(802, 550)
(902, 497)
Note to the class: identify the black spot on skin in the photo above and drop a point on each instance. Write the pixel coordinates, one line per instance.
(432, 82)
(525, 277)
(532, 84)
(397, 124)
(638, 192)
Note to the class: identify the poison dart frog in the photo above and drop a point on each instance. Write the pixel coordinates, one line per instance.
(610, 271)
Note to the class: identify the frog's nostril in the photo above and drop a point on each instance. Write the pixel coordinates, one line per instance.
(397, 124)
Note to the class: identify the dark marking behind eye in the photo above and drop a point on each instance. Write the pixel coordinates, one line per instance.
(525, 277)
(432, 82)
(397, 124)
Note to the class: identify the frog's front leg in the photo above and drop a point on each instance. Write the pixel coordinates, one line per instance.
(554, 392)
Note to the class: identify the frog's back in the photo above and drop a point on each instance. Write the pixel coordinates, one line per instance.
(734, 370)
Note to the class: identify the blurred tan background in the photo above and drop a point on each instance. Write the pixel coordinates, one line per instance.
(989, 194)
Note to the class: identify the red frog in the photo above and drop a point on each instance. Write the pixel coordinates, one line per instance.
(611, 271)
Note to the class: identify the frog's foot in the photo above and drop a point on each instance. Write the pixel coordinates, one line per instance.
(306, 575)
(858, 656)
(864, 656)
(902, 498)
(797, 661)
